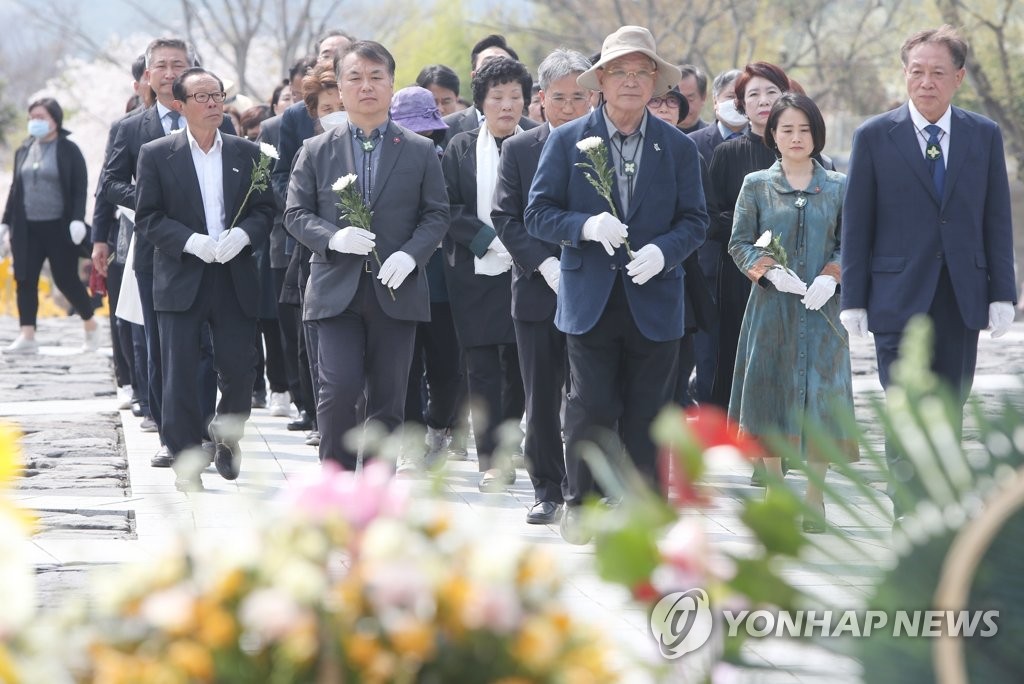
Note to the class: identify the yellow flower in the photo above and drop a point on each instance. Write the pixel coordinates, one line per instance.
(217, 628)
(229, 585)
(8, 671)
(10, 465)
(192, 659)
(413, 640)
(538, 644)
(361, 649)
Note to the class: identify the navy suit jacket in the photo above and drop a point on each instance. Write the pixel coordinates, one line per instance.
(667, 210)
(898, 233)
(296, 126)
(532, 299)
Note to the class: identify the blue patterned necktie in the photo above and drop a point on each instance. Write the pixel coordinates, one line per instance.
(933, 153)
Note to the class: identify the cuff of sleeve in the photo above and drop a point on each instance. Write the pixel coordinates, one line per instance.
(760, 267)
(832, 269)
(483, 238)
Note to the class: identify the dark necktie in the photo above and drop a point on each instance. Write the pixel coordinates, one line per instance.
(933, 153)
(734, 135)
(175, 117)
(368, 145)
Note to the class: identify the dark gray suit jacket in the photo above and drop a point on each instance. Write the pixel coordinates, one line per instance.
(410, 214)
(169, 209)
(532, 299)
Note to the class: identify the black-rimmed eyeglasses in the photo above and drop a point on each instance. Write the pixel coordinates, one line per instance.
(203, 98)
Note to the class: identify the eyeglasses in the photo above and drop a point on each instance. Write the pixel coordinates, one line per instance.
(559, 101)
(203, 98)
(670, 102)
(641, 76)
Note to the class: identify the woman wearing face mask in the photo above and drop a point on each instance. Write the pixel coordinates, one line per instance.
(790, 326)
(478, 267)
(44, 217)
(322, 97)
(757, 88)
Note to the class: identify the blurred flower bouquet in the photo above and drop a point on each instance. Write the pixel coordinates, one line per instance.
(599, 174)
(17, 577)
(354, 209)
(352, 582)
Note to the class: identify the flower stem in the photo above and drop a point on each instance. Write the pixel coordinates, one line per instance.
(241, 208)
(832, 325)
(377, 257)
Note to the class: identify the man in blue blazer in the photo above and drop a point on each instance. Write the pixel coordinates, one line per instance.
(620, 304)
(926, 220)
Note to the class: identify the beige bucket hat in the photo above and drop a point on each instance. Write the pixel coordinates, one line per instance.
(626, 40)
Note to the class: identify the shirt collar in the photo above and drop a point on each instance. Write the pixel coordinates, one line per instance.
(612, 130)
(162, 110)
(193, 145)
(353, 129)
(919, 120)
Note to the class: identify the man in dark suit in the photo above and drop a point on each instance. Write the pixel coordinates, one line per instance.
(191, 206)
(622, 313)
(470, 118)
(166, 59)
(926, 222)
(535, 277)
(365, 312)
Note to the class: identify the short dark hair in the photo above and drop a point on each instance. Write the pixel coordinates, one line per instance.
(765, 70)
(723, 81)
(52, 108)
(810, 110)
(321, 78)
(367, 49)
(330, 34)
(698, 73)
(253, 117)
(171, 44)
(139, 67)
(178, 87)
(276, 96)
(499, 71)
(944, 35)
(493, 40)
(439, 75)
(301, 67)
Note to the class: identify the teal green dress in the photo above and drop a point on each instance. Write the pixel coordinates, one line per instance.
(792, 366)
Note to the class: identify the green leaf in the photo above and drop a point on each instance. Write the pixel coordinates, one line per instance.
(776, 523)
(756, 580)
(628, 554)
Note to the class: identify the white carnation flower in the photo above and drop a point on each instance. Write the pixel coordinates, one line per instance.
(343, 182)
(764, 240)
(591, 143)
(269, 150)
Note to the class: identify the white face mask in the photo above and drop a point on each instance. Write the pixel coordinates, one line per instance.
(333, 120)
(727, 114)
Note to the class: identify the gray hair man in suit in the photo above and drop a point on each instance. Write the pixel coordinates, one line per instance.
(367, 333)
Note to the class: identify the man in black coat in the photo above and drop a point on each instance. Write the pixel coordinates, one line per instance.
(535, 276)
(192, 205)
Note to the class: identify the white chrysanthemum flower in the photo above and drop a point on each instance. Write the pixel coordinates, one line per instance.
(269, 150)
(343, 182)
(591, 143)
(764, 240)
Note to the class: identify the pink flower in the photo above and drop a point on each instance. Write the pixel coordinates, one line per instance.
(357, 498)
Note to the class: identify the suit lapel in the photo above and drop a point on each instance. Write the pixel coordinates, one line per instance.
(390, 148)
(151, 124)
(961, 138)
(596, 126)
(340, 156)
(234, 168)
(904, 138)
(184, 170)
(650, 163)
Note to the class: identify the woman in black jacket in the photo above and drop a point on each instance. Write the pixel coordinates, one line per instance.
(45, 218)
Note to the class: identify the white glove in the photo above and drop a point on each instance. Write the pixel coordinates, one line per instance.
(551, 271)
(78, 231)
(202, 246)
(230, 244)
(395, 269)
(492, 263)
(820, 291)
(497, 246)
(352, 240)
(5, 240)
(855, 321)
(785, 280)
(649, 262)
(1000, 316)
(606, 229)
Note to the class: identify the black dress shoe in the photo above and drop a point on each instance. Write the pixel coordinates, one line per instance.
(137, 409)
(259, 400)
(304, 423)
(162, 459)
(543, 513)
(228, 460)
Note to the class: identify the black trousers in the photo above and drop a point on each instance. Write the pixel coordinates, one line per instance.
(269, 358)
(140, 352)
(363, 349)
(619, 378)
(733, 293)
(496, 396)
(687, 360)
(48, 240)
(123, 355)
(434, 375)
(181, 334)
(542, 360)
(955, 354)
(289, 319)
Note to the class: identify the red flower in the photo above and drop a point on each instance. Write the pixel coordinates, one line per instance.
(645, 592)
(711, 427)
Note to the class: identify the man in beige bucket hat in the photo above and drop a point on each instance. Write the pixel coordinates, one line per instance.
(620, 298)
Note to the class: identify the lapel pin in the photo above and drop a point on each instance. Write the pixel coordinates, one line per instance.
(234, 169)
(396, 140)
(656, 148)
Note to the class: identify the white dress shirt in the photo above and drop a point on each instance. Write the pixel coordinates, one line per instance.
(210, 171)
(922, 135)
(165, 120)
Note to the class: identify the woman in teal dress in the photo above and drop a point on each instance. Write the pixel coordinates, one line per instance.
(793, 361)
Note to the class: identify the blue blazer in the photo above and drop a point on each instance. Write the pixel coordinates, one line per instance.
(667, 210)
(897, 231)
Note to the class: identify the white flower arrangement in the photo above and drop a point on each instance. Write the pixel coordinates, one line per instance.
(588, 144)
(764, 240)
(268, 150)
(343, 182)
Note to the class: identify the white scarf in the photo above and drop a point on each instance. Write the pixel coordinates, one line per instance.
(497, 259)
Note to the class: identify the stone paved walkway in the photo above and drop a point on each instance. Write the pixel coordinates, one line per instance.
(101, 502)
